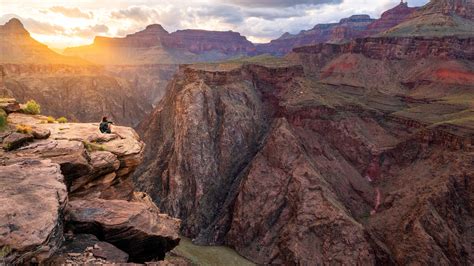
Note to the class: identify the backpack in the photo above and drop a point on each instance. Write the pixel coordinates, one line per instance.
(104, 127)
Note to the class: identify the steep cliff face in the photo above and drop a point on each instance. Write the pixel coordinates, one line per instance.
(63, 183)
(80, 93)
(149, 82)
(337, 154)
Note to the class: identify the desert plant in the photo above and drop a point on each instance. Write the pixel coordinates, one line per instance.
(24, 129)
(50, 119)
(4, 251)
(32, 107)
(91, 146)
(62, 120)
(3, 119)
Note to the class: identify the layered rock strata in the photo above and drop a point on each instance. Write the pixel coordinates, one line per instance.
(72, 181)
(338, 154)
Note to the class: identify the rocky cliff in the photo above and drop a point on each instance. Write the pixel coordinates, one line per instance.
(359, 152)
(67, 196)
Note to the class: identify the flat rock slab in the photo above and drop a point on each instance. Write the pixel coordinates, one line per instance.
(82, 246)
(32, 199)
(133, 227)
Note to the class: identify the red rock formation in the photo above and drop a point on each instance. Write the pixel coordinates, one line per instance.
(184, 46)
(329, 157)
(81, 181)
(201, 41)
(390, 19)
(398, 48)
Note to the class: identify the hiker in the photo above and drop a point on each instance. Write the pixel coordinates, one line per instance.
(105, 125)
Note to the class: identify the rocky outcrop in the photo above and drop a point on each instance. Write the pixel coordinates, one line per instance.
(390, 19)
(82, 180)
(329, 156)
(27, 230)
(125, 225)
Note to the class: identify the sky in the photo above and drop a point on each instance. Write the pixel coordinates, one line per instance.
(61, 23)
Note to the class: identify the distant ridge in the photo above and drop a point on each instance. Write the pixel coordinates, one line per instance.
(155, 45)
(18, 47)
(439, 18)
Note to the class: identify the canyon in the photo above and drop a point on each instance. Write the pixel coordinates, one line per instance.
(353, 145)
(359, 152)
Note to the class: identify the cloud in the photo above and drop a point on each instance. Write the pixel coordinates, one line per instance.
(32, 25)
(282, 3)
(90, 31)
(70, 12)
(136, 13)
(274, 13)
(226, 13)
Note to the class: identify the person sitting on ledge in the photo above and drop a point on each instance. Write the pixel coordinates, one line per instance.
(105, 125)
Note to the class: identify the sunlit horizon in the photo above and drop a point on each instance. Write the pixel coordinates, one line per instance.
(60, 24)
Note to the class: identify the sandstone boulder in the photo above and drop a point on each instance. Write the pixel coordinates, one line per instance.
(41, 133)
(32, 200)
(16, 140)
(9, 105)
(109, 252)
(131, 226)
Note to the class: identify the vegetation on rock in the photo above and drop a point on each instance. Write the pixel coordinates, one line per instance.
(25, 129)
(62, 120)
(32, 107)
(3, 119)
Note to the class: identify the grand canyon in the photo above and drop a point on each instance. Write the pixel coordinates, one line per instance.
(349, 143)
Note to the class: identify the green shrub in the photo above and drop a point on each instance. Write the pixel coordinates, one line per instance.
(32, 107)
(62, 120)
(91, 146)
(4, 251)
(24, 129)
(50, 120)
(3, 119)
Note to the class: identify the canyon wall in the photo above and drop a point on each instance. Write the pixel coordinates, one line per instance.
(334, 155)
(80, 93)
